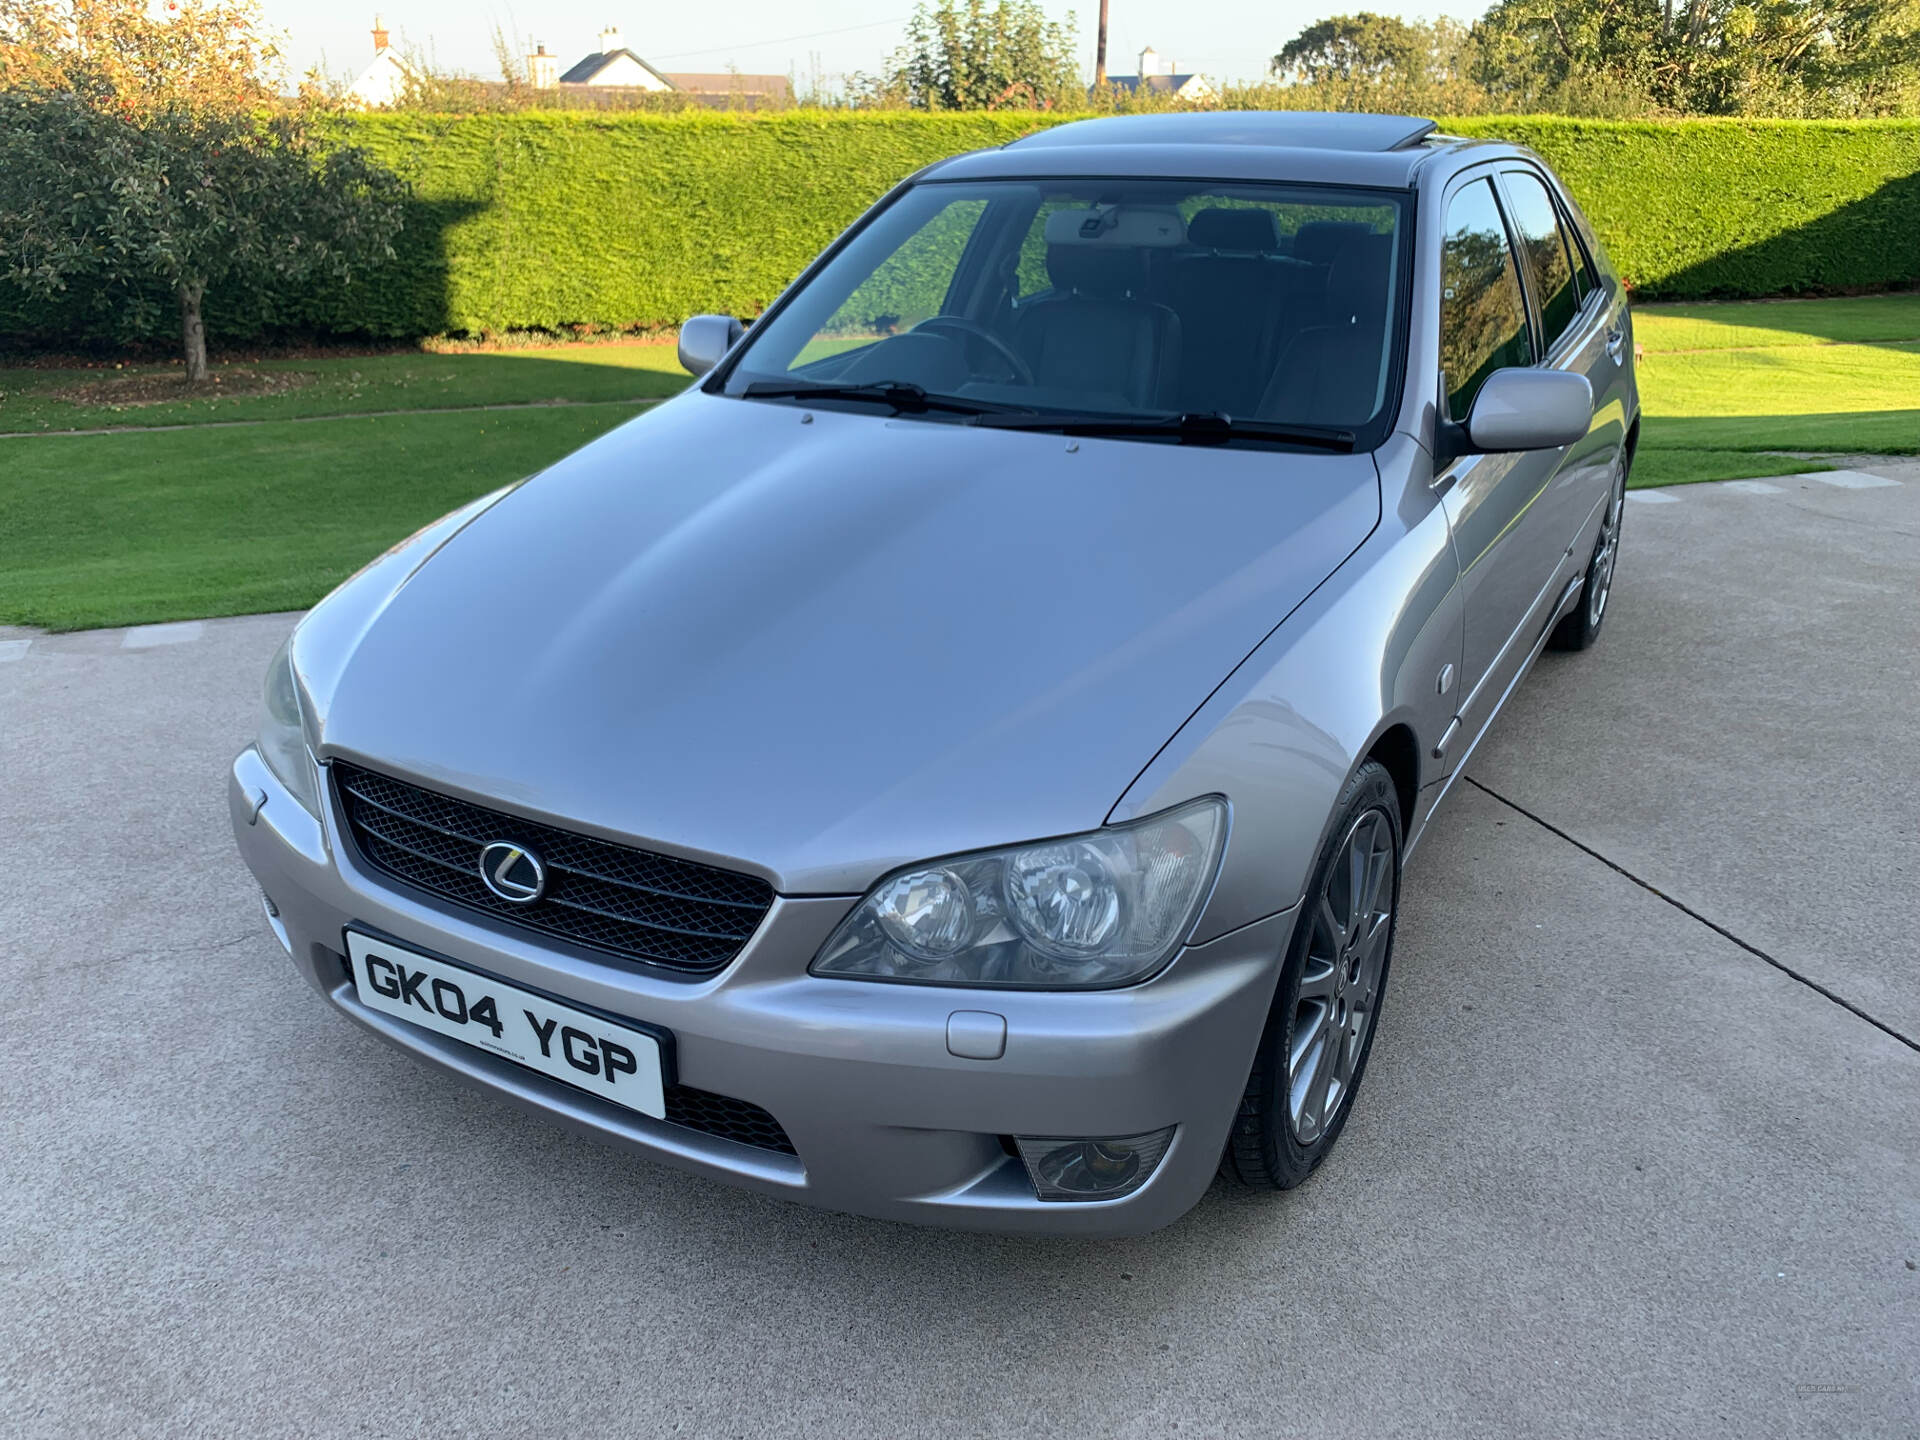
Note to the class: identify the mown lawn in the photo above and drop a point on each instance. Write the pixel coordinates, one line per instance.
(29, 402)
(130, 528)
(228, 519)
(1722, 384)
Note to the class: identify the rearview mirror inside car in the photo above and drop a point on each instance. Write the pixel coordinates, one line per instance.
(1528, 410)
(705, 339)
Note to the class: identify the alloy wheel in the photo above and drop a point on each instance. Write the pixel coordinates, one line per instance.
(1352, 921)
(1600, 578)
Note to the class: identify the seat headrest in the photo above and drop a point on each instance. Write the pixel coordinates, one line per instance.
(1249, 231)
(1357, 282)
(1109, 271)
(1321, 240)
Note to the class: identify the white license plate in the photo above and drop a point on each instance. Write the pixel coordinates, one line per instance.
(613, 1061)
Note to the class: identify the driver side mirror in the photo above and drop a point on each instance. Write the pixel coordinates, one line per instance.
(1521, 409)
(705, 340)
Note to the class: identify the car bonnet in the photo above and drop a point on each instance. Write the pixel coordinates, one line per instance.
(816, 644)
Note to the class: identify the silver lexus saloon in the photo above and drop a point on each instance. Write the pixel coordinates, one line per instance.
(955, 761)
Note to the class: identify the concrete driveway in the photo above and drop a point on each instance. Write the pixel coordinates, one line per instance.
(1639, 1153)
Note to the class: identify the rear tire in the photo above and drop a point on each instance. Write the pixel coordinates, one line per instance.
(1326, 1009)
(1580, 628)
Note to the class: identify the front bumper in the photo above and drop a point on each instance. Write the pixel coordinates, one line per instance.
(884, 1119)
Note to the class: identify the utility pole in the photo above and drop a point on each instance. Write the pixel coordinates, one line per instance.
(1100, 51)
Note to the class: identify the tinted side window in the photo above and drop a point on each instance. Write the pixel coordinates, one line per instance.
(1545, 243)
(1483, 320)
(1588, 254)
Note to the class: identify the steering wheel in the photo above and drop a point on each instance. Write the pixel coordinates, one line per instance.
(970, 330)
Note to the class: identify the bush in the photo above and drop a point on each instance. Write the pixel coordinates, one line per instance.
(556, 220)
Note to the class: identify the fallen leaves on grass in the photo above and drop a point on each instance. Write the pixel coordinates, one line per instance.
(161, 387)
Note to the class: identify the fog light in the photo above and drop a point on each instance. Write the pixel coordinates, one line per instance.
(1102, 1168)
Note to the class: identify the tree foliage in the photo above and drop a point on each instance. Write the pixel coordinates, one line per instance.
(1357, 47)
(972, 55)
(1378, 62)
(1707, 57)
(143, 150)
(1621, 58)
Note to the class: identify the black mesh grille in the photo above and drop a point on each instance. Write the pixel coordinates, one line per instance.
(730, 1119)
(630, 903)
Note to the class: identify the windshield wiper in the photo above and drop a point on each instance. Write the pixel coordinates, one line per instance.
(1188, 428)
(903, 395)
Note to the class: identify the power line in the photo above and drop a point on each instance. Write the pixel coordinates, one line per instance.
(786, 39)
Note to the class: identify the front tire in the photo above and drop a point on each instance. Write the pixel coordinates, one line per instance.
(1579, 629)
(1320, 1031)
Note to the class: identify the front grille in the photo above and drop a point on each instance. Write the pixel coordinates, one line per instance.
(738, 1120)
(630, 903)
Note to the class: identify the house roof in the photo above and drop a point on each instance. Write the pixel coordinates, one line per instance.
(725, 82)
(1165, 84)
(583, 72)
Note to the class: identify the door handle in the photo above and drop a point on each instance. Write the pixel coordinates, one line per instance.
(1616, 340)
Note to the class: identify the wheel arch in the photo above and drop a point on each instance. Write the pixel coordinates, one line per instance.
(1399, 753)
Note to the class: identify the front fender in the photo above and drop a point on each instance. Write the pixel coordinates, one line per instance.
(1282, 734)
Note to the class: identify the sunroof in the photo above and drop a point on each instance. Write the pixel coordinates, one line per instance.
(1304, 129)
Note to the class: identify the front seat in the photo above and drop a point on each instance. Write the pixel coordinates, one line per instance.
(1094, 335)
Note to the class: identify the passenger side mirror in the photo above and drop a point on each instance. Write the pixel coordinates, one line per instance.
(705, 339)
(1528, 410)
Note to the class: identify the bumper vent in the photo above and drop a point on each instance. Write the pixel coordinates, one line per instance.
(740, 1121)
(639, 906)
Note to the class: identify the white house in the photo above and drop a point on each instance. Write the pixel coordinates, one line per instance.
(600, 79)
(615, 65)
(1163, 77)
(613, 70)
(386, 79)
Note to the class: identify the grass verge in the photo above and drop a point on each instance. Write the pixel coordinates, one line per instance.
(35, 401)
(1657, 466)
(1721, 383)
(128, 529)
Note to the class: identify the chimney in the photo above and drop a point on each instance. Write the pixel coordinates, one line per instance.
(1149, 62)
(380, 36)
(610, 40)
(543, 70)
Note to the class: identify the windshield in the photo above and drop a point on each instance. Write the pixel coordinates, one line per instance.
(1111, 300)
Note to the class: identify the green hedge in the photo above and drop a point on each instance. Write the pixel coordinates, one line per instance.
(1696, 209)
(549, 220)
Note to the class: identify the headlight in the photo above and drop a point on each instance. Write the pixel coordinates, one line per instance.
(1106, 908)
(282, 741)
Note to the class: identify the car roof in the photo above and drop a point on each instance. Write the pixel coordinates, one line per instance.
(1311, 147)
(1303, 129)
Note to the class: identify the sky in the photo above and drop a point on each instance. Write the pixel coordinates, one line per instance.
(1224, 39)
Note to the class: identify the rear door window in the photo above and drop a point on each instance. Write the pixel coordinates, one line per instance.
(1483, 318)
(1545, 243)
